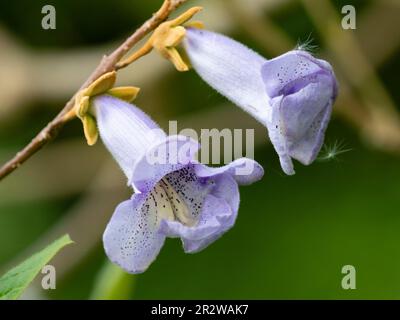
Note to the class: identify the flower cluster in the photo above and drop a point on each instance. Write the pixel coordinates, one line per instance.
(292, 95)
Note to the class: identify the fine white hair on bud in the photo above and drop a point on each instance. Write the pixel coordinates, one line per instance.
(331, 151)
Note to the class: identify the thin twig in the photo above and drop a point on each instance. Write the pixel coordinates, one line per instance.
(107, 64)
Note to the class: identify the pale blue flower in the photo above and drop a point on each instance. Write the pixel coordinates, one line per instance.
(292, 95)
(176, 197)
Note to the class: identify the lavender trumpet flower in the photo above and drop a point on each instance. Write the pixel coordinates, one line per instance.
(292, 95)
(175, 196)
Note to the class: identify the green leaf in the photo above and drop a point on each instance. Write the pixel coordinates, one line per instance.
(15, 281)
(113, 283)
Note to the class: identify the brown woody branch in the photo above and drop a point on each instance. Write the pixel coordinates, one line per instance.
(107, 64)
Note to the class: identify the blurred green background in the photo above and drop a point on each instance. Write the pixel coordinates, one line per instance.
(293, 234)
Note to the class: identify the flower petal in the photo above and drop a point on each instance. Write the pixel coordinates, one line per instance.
(298, 110)
(230, 68)
(131, 239)
(306, 150)
(208, 226)
(126, 131)
(277, 138)
(190, 190)
(226, 187)
(218, 214)
(299, 122)
(170, 154)
(289, 69)
(244, 170)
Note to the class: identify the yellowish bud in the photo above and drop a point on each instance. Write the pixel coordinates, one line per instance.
(165, 39)
(104, 84)
(82, 106)
(127, 94)
(101, 85)
(90, 129)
